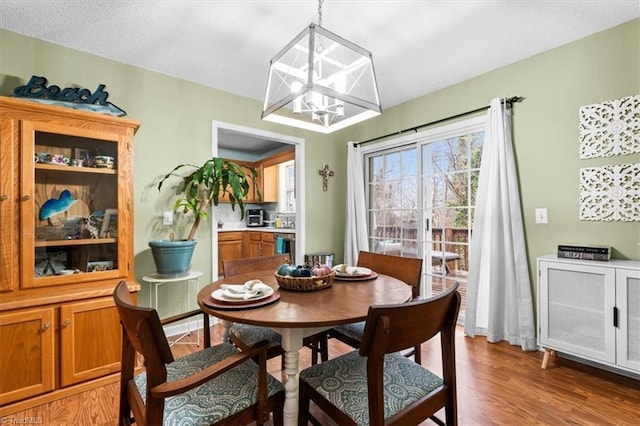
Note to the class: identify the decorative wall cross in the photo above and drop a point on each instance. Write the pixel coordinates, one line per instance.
(326, 173)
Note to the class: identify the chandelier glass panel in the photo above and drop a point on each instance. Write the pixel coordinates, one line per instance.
(321, 82)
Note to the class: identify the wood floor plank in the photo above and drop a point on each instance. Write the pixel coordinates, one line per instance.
(498, 384)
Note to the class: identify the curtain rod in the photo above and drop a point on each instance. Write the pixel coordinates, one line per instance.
(508, 101)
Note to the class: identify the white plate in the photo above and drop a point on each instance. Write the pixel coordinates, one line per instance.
(353, 271)
(219, 295)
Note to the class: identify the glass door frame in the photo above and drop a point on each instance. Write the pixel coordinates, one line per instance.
(418, 140)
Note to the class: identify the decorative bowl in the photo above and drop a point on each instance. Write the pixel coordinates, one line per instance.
(103, 161)
(305, 283)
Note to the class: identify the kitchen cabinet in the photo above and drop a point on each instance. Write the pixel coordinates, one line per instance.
(261, 244)
(270, 184)
(266, 182)
(66, 199)
(270, 178)
(267, 244)
(230, 246)
(590, 310)
(254, 184)
(254, 244)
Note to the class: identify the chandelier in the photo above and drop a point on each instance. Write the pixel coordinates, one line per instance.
(321, 82)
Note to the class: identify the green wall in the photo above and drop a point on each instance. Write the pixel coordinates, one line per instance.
(176, 118)
(555, 84)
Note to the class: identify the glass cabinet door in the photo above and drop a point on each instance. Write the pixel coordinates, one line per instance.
(70, 204)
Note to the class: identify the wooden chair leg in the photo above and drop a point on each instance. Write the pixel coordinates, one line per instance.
(417, 355)
(320, 347)
(303, 407)
(207, 331)
(324, 347)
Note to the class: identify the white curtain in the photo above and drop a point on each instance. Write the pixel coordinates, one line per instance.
(499, 302)
(356, 238)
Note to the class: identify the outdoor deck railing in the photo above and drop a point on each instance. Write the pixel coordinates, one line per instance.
(404, 239)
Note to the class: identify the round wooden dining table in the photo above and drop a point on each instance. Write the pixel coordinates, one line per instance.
(298, 314)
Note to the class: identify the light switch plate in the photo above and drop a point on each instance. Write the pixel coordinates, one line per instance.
(541, 215)
(167, 218)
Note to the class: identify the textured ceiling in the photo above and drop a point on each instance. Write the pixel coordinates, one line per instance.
(418, 46)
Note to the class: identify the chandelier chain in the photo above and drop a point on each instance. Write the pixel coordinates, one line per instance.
(320, 12)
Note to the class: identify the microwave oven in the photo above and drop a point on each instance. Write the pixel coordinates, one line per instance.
(255, 217)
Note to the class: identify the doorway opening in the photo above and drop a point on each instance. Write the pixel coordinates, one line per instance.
(249, 143)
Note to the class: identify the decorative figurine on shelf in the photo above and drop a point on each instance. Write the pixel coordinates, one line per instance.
(50, 263)
(326, 173)
(54, 206)
(88, 230)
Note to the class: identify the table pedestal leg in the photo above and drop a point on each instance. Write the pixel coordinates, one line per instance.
(226, 325)
(292, 343)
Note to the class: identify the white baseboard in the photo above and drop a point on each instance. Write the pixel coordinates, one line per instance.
(185, 326)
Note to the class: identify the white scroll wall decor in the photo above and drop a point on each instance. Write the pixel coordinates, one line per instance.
(610, 128)
(610, 193)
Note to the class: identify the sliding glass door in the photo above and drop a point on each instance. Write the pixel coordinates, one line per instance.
(421, 199)
(394, 202)
(450, 181)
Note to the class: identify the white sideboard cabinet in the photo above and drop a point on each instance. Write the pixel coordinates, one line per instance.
(590, 310)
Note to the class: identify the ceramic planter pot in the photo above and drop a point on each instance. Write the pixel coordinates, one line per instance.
(172, 258)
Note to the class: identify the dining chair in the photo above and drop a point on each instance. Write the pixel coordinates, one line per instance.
(406, 269)
(218, 385)
(247, 335)
(377, 385)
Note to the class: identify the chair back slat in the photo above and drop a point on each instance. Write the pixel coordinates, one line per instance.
(407, 269)
(252, 264)
(411, 323)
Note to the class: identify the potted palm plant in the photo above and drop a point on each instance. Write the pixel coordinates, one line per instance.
(198, 190)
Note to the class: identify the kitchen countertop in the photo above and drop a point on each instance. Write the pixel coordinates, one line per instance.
(260, 229)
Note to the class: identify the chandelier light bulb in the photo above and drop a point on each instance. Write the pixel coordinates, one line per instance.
(340, 83)
(296, 86)
(296, 106)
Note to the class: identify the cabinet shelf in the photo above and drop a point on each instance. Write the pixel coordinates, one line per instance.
(71, 169)
(82, 242)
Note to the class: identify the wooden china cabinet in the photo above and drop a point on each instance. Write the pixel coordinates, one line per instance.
(66, 214)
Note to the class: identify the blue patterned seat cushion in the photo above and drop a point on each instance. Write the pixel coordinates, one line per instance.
(355, 330)
(216, 399)
(343, 381)
(252, 334)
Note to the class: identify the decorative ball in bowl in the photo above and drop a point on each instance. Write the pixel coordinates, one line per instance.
(299, 278)
(103, 161)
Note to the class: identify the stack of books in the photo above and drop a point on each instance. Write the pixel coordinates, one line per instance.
(584, 251)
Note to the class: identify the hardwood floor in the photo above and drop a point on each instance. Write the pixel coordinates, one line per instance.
(498, 384)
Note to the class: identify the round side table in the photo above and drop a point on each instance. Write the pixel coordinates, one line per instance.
(157, 280)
